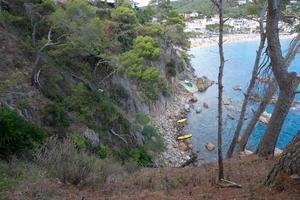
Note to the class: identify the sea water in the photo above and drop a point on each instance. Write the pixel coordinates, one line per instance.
(240, 58)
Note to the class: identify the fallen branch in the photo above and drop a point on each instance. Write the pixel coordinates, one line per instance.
(227, 183)
(119, 136)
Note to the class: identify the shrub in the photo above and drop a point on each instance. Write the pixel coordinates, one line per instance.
(149, 131)
(64, 161)
(79, 140)
(14, 172)
(118, 93)
(18, 136)
(104, 151)
(171, 68)
(142, 118)
(141, 157)
(55, 116)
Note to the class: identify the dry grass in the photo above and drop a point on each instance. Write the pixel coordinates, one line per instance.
(186, 184)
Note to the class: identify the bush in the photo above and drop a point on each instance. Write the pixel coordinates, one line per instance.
(142, 118)
(79, 140)
(149, 131)
(55, 116)
(64, 161)
(104, 151)
(171, 68)
(14, 172)
(18, 136)
(141, 157)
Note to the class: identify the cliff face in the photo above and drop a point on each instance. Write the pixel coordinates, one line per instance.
(18, 93)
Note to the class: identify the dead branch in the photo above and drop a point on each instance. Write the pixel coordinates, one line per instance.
(119, 136)
(225, 183)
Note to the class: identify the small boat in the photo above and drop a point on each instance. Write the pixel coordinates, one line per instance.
(181, 120)
(184, 137)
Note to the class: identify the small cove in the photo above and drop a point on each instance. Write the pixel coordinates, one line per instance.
(240, 58)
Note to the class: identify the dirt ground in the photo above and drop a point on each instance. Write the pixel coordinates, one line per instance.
(190, 183)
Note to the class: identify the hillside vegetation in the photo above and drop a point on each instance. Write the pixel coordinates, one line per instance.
(77, 84)
(206, 7)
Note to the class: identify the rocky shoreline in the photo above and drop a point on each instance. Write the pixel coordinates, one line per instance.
(178, 153)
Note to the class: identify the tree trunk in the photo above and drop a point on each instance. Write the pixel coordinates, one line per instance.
(220, 90)
(289, 162)
(287, 82)
(271, 88)
(251, 85)
(286, 96)
(262, 106)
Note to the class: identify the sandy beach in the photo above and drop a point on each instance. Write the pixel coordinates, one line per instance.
(230, 38)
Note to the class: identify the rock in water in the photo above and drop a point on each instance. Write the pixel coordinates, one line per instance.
(203, 83)
(187, 107)
(277, 152)
(237, 88)
(205, 105)
(198, 110)
(227, 101)
(210, 146)
(265, 117)
(193, 99)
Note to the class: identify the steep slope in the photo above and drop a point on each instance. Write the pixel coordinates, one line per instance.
(173, 183)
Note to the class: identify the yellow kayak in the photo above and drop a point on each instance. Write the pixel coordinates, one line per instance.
(184, 137)
(181, 120)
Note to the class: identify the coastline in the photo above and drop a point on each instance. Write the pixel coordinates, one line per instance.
(176, 153)
(230, 38)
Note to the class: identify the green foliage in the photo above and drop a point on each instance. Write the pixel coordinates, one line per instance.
(252, 9)
(141, 157)
(206, 7)
(8, 18)
(79, 140)
(100, 114)
(118, 93)
(151, 29)
(154, 143)
(134, 65)
(79, 28)
(149, 131)
(141, 118)
(55, 115)
(15, 78)
(145, 46)
(14, 172)
(215, 28)
(23, 103)
(104, 151)
(171, 68)
(17, 135)
(124, 14)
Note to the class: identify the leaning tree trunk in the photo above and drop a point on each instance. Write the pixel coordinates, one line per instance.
(262, 106)
(271, 88)
(287, 82)
(267, 144)
(289, 162)
(251, 85)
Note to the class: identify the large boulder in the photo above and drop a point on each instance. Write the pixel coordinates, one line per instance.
(92, 138)
(203, 83)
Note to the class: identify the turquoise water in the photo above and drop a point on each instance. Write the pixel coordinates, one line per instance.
(240, 58)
